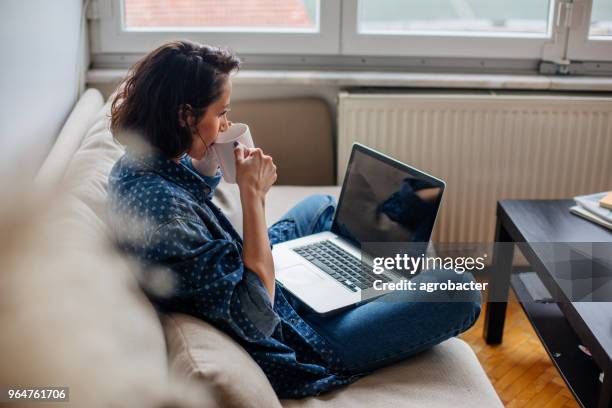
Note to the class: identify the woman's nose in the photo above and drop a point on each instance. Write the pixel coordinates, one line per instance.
(224, 125)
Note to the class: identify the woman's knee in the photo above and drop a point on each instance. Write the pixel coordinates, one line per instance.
(313, 214)
(462, 279)
(325, 206)
(461, 291)
(320, 200)
(469, 303)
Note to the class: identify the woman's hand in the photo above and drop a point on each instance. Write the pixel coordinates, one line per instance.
(255, 171)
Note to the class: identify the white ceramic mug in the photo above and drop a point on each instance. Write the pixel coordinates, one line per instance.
(224, 148)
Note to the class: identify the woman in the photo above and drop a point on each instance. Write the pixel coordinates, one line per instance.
(168, 112)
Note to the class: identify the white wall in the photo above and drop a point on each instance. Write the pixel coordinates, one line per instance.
(39, 62)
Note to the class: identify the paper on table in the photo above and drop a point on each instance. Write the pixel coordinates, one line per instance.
(576, 209)
(590, 202)
(606, 202)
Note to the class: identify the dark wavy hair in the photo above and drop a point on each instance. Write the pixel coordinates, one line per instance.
(177, 79)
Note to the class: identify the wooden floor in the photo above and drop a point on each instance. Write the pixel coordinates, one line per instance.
(519, 368)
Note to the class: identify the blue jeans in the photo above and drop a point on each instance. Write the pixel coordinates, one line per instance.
(390, 328)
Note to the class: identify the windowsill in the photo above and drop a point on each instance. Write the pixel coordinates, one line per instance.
(397, 79)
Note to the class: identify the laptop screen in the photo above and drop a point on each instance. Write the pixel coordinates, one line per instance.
(384, 200)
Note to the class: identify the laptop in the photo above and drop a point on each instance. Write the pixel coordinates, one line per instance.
(382, 201)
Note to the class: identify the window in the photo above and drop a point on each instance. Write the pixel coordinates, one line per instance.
(397, 17)
(519, 30)
(248, 27)
(459, 29)
(590, 26)
(222, 15)
(601, 19)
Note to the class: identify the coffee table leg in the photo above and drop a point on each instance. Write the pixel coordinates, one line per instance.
(605, 395)
(495, 314)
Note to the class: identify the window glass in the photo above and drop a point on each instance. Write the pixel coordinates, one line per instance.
(222, 15)
(601, 19)
(409, 16)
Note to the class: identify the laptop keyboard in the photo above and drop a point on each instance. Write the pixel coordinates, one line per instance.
(339, 264)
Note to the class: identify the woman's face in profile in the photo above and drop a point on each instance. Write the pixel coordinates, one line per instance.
(211, 123)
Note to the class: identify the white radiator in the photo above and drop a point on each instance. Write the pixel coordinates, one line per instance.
(487, 147)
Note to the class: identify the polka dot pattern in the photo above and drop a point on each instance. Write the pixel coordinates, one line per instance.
(162, 213)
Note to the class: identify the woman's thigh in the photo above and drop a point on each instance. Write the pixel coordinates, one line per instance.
(311, 215)
(397, 325)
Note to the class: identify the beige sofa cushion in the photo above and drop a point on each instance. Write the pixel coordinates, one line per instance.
(447, 375)
(86, 177)
(68, 141)
(199, 351)
(278, 201)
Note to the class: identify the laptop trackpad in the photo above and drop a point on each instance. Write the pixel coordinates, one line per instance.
(299, 275)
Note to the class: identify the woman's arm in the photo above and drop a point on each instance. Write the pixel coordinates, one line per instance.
(209, 279)
(256, 253)
(255, 174)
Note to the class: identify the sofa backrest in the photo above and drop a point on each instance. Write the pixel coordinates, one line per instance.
(69, 139)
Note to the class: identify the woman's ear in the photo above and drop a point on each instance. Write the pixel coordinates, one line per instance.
(185, 116)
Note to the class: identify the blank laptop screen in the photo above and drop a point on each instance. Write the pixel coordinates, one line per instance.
(384, 200)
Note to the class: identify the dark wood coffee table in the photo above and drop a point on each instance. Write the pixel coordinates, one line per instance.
(564, 324)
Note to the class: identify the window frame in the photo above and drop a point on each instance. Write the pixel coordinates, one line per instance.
(446, 44)
(566, 41)
(580, 46)
(109, 36)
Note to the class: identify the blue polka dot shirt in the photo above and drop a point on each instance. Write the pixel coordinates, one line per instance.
(162, 213)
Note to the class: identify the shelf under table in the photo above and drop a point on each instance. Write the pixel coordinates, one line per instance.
(561, 343)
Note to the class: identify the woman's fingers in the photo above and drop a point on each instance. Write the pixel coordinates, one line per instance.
(248, 151)
(239, 151)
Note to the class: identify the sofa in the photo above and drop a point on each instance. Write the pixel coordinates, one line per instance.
(111, 346)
